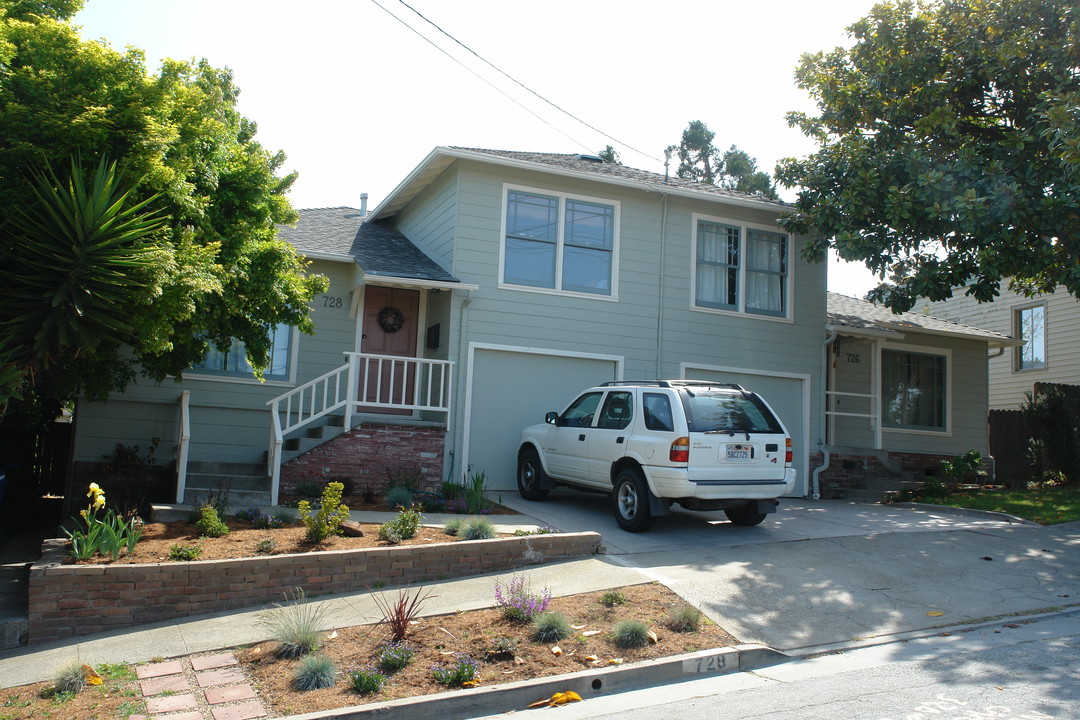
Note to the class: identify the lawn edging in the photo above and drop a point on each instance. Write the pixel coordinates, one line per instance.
(69, 600)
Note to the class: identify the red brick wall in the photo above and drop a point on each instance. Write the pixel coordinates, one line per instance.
(368, 454)
(849, 471)
(67, 600)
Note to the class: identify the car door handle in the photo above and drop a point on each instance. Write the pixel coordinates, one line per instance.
(619, 440)
(581, 437)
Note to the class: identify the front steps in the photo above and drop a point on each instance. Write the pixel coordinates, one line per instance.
(247, 484)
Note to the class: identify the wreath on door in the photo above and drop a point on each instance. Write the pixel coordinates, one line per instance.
(391, 319)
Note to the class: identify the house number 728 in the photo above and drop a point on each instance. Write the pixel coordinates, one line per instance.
(331, 301)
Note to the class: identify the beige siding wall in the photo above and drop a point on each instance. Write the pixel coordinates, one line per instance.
(1007, 384)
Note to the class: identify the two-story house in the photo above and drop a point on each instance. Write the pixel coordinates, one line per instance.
(486, 289)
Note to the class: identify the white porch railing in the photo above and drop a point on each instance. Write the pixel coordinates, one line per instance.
(182, 444)
(872, 415)
(377, 382)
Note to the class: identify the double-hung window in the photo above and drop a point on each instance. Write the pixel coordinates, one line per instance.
(559, 242)
(913, 390)
(1030, 325)
(232, 362)
(741, 269)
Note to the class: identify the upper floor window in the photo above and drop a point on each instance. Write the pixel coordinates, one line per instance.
(559, 242)
(913, 390)
(232, 362)
(741, 269)
(1030, 325)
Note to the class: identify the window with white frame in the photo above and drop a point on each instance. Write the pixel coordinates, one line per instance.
(913, 392)
(1030, 325)
(559, 242)
(741, 269)
(232, 362)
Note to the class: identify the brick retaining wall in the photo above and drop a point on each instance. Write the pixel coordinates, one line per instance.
(67, 600)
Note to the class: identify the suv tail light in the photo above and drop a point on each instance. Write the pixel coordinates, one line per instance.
(787, 454)
(680, 450)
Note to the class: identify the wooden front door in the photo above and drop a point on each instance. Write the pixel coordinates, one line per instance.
(390, 327)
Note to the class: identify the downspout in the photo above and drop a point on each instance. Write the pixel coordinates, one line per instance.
(660, 289)
(815, 482)
(999, 353)
(463, 359)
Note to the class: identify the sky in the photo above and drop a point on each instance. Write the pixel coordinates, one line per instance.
(356, 98)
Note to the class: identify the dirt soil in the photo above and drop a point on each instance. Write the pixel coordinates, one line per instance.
(243, 539)
(438, 639)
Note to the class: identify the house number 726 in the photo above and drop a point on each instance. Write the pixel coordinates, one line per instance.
(853, 357)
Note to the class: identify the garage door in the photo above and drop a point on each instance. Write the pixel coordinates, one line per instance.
(511, 390)
(785, 396)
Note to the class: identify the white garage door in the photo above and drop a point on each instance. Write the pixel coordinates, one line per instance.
(513, 389)
(785, 396)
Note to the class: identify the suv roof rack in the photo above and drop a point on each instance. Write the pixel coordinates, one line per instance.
(674, 383)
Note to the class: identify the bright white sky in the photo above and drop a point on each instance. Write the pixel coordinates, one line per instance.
(356, 100)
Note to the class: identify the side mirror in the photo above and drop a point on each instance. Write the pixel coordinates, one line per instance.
(552, 418)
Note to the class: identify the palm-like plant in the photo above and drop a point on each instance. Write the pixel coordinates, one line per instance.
(75, 263)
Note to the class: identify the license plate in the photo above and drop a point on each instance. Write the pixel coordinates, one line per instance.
(738, 453)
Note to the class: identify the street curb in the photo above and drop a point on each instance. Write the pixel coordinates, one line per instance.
(475, 702)
(967, 512)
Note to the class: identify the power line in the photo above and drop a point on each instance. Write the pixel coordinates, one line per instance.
(519, 84)
(480, 77)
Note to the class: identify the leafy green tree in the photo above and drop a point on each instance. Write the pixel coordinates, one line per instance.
(610, 154)
(949, 149)
(701, 161)
(214, 270)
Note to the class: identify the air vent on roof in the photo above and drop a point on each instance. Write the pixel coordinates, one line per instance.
(591, 158)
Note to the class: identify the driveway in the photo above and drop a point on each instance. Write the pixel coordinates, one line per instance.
(823, 573)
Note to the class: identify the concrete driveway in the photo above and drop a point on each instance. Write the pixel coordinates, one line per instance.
(832, 572)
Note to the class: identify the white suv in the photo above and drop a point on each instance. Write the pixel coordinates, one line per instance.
(704, 445)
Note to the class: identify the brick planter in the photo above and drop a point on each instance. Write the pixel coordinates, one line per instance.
(67, 600)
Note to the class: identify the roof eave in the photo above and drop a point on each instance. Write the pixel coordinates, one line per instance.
(991, 341)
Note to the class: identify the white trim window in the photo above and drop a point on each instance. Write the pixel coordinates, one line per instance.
(232, 362)
(739, 268)
(914, 392)
(554, 241)
(1030, 324)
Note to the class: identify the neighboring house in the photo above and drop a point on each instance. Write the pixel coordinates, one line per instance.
(1049, 326)
(487, 289)
(903, 393)
(490, 287)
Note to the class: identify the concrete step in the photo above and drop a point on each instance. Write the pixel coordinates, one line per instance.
(225, 468)
(238, 499)
(207, 481)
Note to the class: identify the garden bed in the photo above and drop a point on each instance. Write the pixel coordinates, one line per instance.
(68, 600)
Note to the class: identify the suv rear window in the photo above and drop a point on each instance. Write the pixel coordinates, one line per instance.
(728, 411)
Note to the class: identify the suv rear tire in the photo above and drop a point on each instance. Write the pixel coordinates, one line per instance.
(630, 501)
(531, 476)
(746, 515)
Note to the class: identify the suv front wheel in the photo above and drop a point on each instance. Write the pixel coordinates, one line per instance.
(531, 475)
(630, 500)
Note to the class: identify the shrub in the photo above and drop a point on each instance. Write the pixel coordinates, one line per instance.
(409, 478)
(453, 525)
(475, 501)
(503, 645)
(612, 598)
(250, 515)
(295, 626)
(368, 491)
(403, 527)
(478, 529)
(457, 673)
(218, 498)
(331, 513)
(210, 523)
(71, 678)
(184, 553)
(267, 522)
(315, 672)
(684, 618)
(550, 627)
(399, 615)
(518, 602)
(631, 634)
(398, 497)
(451, 490)
(366, 680)
(265, 546)
(395, 656)
(1053, 425)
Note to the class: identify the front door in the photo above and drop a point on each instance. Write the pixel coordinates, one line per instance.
(390, 328)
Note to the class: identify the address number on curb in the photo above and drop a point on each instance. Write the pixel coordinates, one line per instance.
(698, 666)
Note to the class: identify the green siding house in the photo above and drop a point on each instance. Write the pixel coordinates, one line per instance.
(490, 287)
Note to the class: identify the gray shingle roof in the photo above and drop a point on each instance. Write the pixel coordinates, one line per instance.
(377, 246)
(580, 163)
(849, 312)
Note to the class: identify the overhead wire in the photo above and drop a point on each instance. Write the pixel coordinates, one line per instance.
(513, 80)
